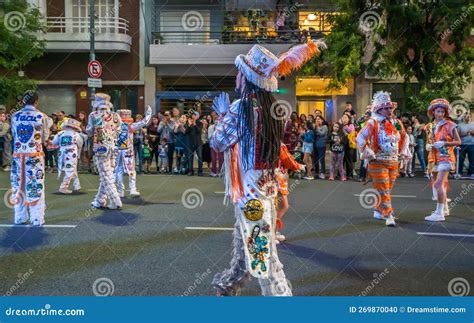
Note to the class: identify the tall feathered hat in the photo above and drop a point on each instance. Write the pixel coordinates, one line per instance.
(381, 100)
(102, 100)
(439, 103)
(262, 67)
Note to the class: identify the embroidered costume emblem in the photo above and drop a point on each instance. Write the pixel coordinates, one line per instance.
(258, 248)
(253, 210)
(24, 132)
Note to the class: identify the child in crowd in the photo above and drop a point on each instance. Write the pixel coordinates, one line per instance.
(163, 156)
(337, 153)
(407, 169)
(308, 145)
(146, 155)
(51, 157)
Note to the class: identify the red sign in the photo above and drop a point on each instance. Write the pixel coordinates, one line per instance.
(95, 69)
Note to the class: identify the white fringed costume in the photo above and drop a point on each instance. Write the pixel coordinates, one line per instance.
(104, 126)
(242, 132)
(125, 153)
(30, 131)
(69, 142)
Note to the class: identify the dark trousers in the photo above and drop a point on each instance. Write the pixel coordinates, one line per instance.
(51, 158)
(419, 151)
(349, 156)
(469, 151)
(198, 151)
(319, 159)
(170, 157)
(138, 151)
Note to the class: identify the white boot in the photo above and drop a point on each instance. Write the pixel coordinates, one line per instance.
(378, 215)
(113, 206)
(134, 193)
(132, 182)
(437, 215)
(446, 209)
(390, 221)
(63, 190)
(121, 194)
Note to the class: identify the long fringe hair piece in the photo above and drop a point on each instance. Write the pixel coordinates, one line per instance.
(271, 135)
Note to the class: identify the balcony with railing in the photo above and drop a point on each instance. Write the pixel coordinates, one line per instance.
(65, 34)
(180, 35)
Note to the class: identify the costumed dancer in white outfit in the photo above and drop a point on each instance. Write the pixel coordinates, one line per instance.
(69, 141)
(104, 126)
(125, 154)
(30, 131)
(249, 132)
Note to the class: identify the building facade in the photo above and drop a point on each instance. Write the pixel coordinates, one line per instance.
(61, 72)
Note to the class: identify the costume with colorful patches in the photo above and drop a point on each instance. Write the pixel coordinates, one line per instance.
(69, 141)
(381, 144)
(125, 153)
(30, 131)
(104, 126)
(250, 136)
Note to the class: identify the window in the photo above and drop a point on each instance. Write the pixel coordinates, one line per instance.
(184, 26)
(106, 12)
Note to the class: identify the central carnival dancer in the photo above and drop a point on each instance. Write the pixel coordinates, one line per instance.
(250, 132)
(104, 126)
(382, 142)
(126, 154)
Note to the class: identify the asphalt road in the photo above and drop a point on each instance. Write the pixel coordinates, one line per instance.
(151, 246)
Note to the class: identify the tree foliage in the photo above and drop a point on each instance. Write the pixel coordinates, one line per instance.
(20, 28)
(422, 41)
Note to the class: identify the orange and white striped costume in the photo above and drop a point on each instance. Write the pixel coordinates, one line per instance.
(381, 144)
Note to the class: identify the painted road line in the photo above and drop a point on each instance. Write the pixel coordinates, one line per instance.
(219, 192)
(209, 228)
(408, 196)
(36, 226)
(446, 234)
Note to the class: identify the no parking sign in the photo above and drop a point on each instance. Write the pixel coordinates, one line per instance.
(94, 68)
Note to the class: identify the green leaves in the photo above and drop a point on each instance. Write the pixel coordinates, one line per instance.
(414, 40)
(20, 26)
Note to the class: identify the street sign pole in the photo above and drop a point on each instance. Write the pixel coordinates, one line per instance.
(92, 42)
